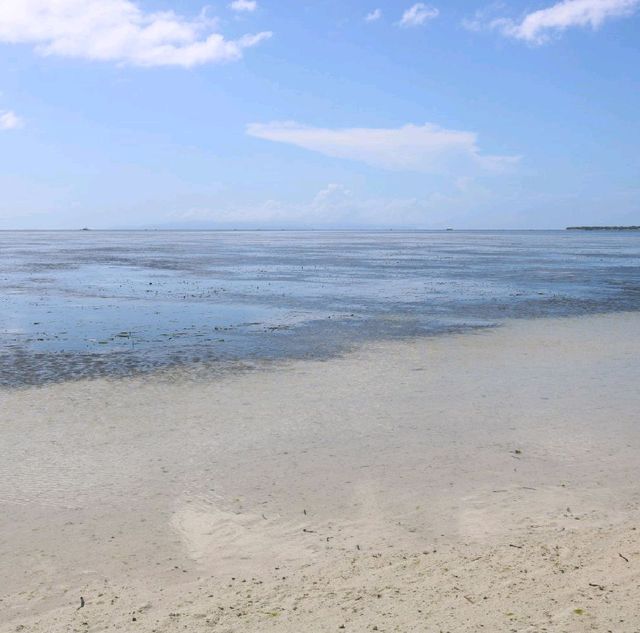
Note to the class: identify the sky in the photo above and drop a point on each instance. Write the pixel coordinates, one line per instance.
(319, 114)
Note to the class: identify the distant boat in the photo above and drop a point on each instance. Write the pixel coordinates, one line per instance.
(448, 229)
(84, 228)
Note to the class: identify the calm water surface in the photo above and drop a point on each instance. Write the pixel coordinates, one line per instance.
(77, 304)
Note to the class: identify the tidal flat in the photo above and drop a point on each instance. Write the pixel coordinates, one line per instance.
(80, 304)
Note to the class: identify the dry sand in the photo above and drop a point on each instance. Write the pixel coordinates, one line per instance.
(477, 482)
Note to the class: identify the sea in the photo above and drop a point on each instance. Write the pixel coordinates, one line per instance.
(85, 304)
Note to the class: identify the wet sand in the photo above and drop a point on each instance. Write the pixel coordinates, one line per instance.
(484, 481)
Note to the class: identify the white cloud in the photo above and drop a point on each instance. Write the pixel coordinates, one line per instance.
(9, 120)
(118, 31)
(483, 18)
(373, 16)
(537, 27)
(418, 15)
(244, 5)
(424, 148)
(333, 193)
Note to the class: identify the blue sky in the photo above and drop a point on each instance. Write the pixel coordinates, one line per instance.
(116, 113)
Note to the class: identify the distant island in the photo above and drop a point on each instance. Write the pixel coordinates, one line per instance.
(603, 228)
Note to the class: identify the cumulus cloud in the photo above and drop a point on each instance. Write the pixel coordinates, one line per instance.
(424, 148)
(9, 120)
(244, 5)
(538, 26)
(418, 15)
(118, 31)
(373, 16)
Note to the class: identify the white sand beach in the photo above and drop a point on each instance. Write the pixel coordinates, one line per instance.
(487, 481)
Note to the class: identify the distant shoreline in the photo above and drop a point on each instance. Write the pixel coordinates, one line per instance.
(603, 228)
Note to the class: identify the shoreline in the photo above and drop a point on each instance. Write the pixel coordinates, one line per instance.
(218, 368)
(346, 474)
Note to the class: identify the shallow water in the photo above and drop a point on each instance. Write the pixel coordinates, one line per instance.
(77, 304)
